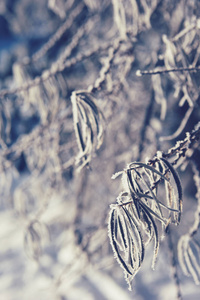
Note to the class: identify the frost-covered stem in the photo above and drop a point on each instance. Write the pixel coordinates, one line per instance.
(80, 194)
(181, 146)
(173, 262)
(56, 68)
(140, 73)
(105, 69)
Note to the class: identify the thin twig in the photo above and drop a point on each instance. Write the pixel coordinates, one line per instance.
(174, 264)
(140, 73)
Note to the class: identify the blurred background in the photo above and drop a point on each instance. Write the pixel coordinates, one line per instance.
(55, 183)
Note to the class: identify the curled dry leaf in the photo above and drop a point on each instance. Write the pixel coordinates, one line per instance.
(88, 125)
(133, 221)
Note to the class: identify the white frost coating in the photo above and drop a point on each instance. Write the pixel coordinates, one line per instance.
(198, 23)
(74, 107)
(114, 176)
(120, 17)
(138, 73)
(159, 154)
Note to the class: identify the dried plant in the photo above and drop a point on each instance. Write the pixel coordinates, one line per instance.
(87, 124)
(133, 220)
(138, 208)
(71, 100)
